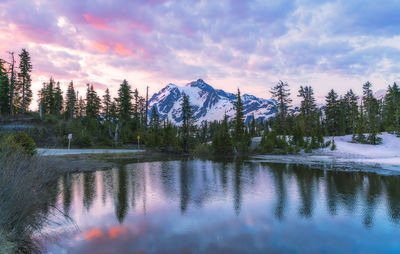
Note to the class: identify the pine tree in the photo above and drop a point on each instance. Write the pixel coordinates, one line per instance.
(81, 107)
(238, 130)
(92, 103)
(351, 112)
(332, 113)
(222, 141)
(58, 100)
(4, 91)
(391, 109)
(154, 119)
(124, 101)
(308, 108)
(281, 93)
(71, 101)
(252, 131)
(106, 104)
(47, 100)
(187, 119)
(371, 106)
(154, 139)
(25, 80)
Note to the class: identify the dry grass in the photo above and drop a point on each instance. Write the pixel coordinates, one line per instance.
(28, 195)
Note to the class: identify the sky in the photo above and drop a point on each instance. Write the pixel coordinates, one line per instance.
(230, 44)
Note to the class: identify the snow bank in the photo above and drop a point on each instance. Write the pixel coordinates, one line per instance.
(384, 156)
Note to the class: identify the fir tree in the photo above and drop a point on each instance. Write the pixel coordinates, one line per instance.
(25, 80)
(154, 119)
(107, 104)
(71, 101)
(124, 101)
(238, 130)
(4, 91)
(332, 113)
(391, 109)
(371, 107)
(154, 130)
(222, 141)
(308, 108)
(58, 99)
(252, 131)
(281, 93)
(351, 112)
(92, 103)
(47, 98)
(186, 122)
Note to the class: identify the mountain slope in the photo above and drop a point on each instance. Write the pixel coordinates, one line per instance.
(208, 104)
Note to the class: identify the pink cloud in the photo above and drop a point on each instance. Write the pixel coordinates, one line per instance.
(100, 47)
(95, 21)
(121, 49)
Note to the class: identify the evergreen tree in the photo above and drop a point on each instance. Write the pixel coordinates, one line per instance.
(332, 113)
(71, 101)
(238, 128)
(281, 93)
(154, 139)
(58, 99)
(81, 107)
(222, 141)
(92, 103)
(391, 109)
(47, 98)
(107, 104)
(351, 112)
(4, 91)
(124, 101)
(371, 107)
(154, 119)
(25, 80)
(252, 131)
(308, 108)
(186, 122)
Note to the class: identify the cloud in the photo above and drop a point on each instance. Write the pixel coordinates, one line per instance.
(253, 42)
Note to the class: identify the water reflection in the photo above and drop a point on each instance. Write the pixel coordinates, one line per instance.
(199, 202)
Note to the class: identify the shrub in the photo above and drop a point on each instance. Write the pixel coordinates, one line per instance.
(202, 149)
(19, 142)
(333, 147)
(82, 140)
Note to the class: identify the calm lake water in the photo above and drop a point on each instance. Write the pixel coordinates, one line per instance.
(201, 206)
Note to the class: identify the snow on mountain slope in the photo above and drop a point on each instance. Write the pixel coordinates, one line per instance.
(208, 104)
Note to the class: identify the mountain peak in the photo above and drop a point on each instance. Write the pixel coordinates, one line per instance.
(207, 103)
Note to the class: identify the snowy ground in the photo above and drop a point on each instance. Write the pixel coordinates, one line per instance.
(45, 151)
(384, 156)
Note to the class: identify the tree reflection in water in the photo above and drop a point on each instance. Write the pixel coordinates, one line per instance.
(230, 194)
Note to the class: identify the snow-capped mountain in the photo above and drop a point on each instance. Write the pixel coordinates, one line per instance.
(208, 104)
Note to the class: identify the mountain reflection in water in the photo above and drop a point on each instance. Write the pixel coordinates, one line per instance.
(201, 206)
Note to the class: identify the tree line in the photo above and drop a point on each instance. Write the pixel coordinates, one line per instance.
(15, 84)
(122, 120)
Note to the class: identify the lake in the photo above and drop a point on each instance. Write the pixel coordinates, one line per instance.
(203, 206)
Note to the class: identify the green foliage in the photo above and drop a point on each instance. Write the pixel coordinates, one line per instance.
(333, 146)
(202, 149)
(92, 103)
(18, 143)
(222, 141)
(82, 140)
(124, 101)
(280, 92)
(187, 123)
(71, 102)
(4, 91)
(24, 80)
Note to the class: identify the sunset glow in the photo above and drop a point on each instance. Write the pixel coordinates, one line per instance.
(230, 44)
